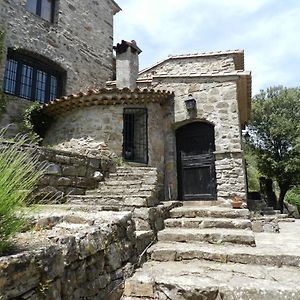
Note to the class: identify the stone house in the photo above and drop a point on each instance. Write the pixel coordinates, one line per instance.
(51, 48)
(183, 116)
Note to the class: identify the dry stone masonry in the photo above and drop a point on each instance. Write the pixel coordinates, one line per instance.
(70, 253)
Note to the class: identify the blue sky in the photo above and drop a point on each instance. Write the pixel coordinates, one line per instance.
(268, 31)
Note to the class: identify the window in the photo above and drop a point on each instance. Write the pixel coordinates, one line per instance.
(135, 140)
(43, 8)
(31, 79)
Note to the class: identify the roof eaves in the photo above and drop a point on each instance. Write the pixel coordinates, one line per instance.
(116, 7)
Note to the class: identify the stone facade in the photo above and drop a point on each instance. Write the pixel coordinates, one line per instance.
(79, 41)
(213, 80)
(104, 123)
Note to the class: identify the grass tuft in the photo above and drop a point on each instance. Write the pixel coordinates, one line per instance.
(20, 170)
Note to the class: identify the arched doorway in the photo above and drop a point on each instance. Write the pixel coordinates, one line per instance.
(195, 144)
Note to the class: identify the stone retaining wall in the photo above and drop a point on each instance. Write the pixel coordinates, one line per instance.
(84, 255)
(67, 173)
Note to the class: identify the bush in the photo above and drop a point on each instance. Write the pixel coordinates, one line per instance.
(293, 196)
(19, 172)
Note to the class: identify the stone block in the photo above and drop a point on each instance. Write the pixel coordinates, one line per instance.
(53, 169)
(64, 181)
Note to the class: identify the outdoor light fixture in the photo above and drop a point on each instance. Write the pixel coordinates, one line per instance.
(190, 103)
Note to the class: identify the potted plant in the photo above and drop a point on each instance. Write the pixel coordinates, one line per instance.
(236, 201)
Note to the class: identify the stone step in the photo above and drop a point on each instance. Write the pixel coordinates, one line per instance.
(111, 200)
(208, 223)
(125, 192)
(188, 280)
(209, 211)
(209, 235)
(130, 176)
(271, 212)
(175, 251)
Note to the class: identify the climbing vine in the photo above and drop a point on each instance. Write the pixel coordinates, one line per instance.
(36, 123)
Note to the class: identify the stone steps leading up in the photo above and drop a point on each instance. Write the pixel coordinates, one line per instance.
(198, 222)
(209, 212)
(176, 251)
(112, 200)
(211, 280)
(209, 235)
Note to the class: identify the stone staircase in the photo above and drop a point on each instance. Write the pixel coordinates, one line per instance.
(135, 189)
(210, 253)
(127, 187)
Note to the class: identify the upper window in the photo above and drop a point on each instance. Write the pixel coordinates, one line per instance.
(43, 8)
(31, 79)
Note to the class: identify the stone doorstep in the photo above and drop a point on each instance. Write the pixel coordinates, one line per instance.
(209, 235)
(208, 223)
(174, 251)
(211, 280)
(209, 211)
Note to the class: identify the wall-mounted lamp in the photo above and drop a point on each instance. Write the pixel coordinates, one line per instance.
(190, 103)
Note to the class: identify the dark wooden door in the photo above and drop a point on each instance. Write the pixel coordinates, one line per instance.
(195, 145)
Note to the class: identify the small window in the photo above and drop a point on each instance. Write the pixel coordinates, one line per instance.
(135, 139)
(43, 8)
(32, 79)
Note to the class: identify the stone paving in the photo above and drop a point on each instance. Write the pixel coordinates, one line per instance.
(217, 268)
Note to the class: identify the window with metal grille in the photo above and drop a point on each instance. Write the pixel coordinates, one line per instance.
(32, 79)
(43, 8)
(135, 139)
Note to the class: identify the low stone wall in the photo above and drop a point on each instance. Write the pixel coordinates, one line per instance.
(68, 173)
(76, 255)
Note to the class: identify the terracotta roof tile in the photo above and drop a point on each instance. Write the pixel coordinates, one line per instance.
(105, 96)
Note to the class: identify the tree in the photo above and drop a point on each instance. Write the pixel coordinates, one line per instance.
(274, 135)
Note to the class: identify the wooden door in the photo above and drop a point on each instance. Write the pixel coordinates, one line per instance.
(195, 145)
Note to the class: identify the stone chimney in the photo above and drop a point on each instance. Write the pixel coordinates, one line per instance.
(127, 64)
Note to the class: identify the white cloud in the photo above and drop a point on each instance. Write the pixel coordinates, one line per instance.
(266, 29)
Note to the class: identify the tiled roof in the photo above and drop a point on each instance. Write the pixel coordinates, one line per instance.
(105, 96)
(238, 54)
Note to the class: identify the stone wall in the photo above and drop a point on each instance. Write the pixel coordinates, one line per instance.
(191, 65)
(11, 114)
(104, 123)
(216, 102)
(69, 173)
(80, 40)
(74, 255)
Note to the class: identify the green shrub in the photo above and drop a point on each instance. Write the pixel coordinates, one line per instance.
(19, 172)
(293, 196)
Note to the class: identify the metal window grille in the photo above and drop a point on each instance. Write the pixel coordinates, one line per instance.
(31, 79)
(135, 135)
